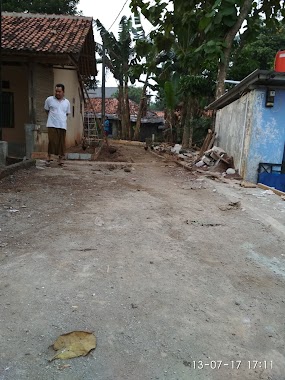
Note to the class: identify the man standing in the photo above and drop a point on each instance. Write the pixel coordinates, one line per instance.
(57, 108)
(107, 127)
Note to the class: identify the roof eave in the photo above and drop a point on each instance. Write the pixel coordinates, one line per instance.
(54, 58)
(244, 86)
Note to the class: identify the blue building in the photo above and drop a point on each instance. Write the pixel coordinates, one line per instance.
(250, 126)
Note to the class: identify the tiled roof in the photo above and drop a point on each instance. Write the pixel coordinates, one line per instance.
(65, 39)
(159, 113)
(111, 106)
(111, 109)
(44, 33)
(97, 93)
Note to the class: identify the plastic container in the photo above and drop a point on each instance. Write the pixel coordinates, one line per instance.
(279, 64)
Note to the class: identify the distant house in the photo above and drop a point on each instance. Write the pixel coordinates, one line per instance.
(250, 125)
(151, 123)
(39, 51)
(97, 93)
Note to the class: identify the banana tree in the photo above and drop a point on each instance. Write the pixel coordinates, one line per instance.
(207, 29)
(146, 56)
(119, 57)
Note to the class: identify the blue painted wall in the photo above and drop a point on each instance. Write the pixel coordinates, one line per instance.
(267, 133)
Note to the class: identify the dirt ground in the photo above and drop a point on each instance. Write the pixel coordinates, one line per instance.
(179, 276)
(117, 153)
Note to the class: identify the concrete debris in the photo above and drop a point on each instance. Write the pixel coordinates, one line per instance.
(215, 152)
(186, 155)
(207, 161)
(230, 171)
(217, 158)
(176, 149)
(214, 160)
(200, 163)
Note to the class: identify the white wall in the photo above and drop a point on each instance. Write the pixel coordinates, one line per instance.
(232, 127)
(73, 94)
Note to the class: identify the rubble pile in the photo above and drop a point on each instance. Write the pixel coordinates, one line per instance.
(162, 148)
(177, 151)
(216, 159)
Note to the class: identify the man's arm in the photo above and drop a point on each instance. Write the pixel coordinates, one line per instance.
(68, 108)
(46, 106)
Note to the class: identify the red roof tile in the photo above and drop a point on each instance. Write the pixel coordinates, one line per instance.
(44, 33)
(111, 108)
(159, 113)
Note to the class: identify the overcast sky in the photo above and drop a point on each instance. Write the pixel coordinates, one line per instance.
(109, 12)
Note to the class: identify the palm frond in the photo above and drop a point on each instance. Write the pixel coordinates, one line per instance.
(138, 31)
(125, 28)
(109, 40)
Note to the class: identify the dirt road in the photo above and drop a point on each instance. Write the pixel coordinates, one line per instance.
(179, 277)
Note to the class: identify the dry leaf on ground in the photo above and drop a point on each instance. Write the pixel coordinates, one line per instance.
(74, 344)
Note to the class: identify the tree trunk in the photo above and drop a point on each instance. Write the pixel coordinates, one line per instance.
(224, 64)
(140, 111)
(170, 123)
(127, 111)
(121, 111)
(178, 137)
(186, 122)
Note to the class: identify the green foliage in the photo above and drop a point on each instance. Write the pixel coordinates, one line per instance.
(158, 104)
(169, 93)
(119, 52)
(41, 6)
(259, 54)
(197, 28)
(200, 127)
(197, 85)
(197, 36)
(134, 93)
(138, 31)
(125, 39)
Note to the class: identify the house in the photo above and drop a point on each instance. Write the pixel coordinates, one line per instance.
(151, 123)
(250, 125)
(39, 51)
(97, 93)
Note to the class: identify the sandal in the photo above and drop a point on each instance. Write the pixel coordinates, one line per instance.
(47, 162)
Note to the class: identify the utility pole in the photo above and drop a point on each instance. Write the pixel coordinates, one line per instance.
(103, 88)
(1, 106)
(103, 112)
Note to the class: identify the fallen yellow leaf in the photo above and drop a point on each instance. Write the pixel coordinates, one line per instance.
(74, 344)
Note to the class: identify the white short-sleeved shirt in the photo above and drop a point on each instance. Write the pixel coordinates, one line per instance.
(58, 111)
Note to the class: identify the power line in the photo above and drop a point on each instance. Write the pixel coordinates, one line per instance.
(118, 15)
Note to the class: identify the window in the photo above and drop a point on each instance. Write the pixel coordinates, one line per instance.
(7, 110)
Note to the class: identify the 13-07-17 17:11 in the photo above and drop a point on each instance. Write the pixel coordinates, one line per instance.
(232, 364)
